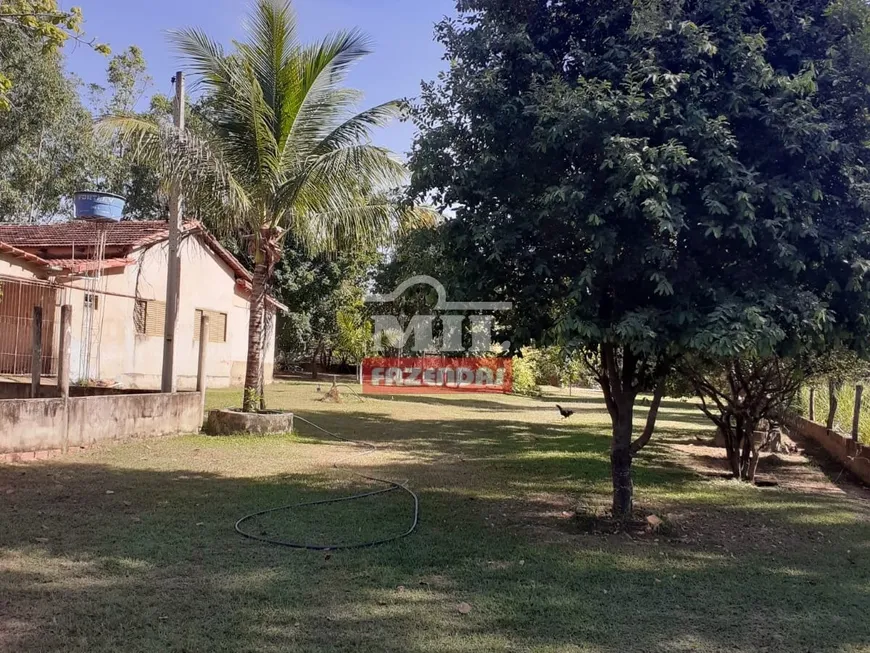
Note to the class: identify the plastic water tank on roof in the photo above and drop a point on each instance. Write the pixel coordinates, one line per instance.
(99, 207)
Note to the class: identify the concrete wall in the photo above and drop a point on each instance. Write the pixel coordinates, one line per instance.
(20, 390)
(48, 424)
(852, 455)
(31, 425)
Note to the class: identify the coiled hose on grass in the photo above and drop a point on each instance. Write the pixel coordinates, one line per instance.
(392, 486)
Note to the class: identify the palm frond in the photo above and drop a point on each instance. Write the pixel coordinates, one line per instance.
(286, 147)
(358, 129)
(355, 224)
(271, 46)
(210, 64)
(318, 103)
(185, 159)
(337, 177)
(244, 118)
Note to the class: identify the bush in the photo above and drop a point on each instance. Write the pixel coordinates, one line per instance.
(525, 373)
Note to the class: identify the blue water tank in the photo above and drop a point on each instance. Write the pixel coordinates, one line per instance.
(99, 207)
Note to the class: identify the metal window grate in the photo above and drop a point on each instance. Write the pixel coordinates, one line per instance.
(140, 311)
(17, 299)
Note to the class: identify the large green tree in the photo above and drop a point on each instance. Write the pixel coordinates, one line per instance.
(46, 149)
(285, 154)
(644, 179)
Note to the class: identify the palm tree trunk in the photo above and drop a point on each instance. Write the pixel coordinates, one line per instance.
(255, 337)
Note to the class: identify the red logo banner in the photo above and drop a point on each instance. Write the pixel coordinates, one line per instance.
(436, 374)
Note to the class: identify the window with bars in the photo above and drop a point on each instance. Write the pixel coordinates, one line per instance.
(217, 325)
(149, 317)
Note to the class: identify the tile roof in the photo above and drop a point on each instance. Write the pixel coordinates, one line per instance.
(80, 265)
(128, 235)
(67, 234)
(24, 256)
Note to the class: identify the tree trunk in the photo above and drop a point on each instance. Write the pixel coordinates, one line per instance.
(620, 460)
(623, 489)
(255, 336)
(315, 372)
(753, 465)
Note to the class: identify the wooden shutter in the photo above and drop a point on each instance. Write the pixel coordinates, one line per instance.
(217, 325)
(155, 318)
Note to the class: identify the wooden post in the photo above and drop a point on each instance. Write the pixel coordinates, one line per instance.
(812, 404)
(64, 350)
(833, 401)
(173, 263)
(201, 365)
(36, 359)
(856, 416)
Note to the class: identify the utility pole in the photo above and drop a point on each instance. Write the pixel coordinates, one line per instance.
(173, 267)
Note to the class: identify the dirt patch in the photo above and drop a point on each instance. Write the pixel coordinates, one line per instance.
(809, 470)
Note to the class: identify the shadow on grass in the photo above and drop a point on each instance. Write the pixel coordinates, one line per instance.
(156, 566)
(99, 557)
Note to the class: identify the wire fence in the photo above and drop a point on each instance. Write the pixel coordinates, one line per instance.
(845, 407)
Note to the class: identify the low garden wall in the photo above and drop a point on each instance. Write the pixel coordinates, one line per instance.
(18, 390)
(30, 425)
(852, 455)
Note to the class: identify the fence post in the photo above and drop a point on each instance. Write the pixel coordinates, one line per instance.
(812, 404)
(201, 365)
(856, 417)
(833, 401)
(36, 358)
(64, 353)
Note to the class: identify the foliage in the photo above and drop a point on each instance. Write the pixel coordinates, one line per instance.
(115, 171)
(316, 290)
(539, 366)
(525, 374)
(354, 332)
(647, 179)
(44, 24)
(741, 394)
(46, 149)
(286, 155)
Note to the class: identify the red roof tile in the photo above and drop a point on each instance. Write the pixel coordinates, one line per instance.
(67, 234)
(88, 265)
(24, 256)
(129, 235)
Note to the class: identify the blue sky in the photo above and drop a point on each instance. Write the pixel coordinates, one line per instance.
(402, 30)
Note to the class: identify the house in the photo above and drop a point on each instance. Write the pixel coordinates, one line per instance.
(114, 277)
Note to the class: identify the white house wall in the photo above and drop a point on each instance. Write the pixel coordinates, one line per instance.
(121, 356)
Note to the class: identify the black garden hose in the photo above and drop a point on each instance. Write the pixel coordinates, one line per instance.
(392, 486)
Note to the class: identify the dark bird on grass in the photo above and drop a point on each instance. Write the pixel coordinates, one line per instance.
(564, 412)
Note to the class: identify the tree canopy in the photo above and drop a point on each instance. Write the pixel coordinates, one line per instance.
(45, 25)
(646, 179)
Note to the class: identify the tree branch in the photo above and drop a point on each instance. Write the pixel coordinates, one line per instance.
(647, 434)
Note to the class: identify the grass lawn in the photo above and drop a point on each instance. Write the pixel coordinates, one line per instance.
(131, 547)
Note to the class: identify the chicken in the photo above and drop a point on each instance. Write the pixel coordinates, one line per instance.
(564, 412)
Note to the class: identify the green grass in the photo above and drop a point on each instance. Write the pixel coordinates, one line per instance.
(156, 566)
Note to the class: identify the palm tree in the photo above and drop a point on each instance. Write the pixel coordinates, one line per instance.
(284, 152)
